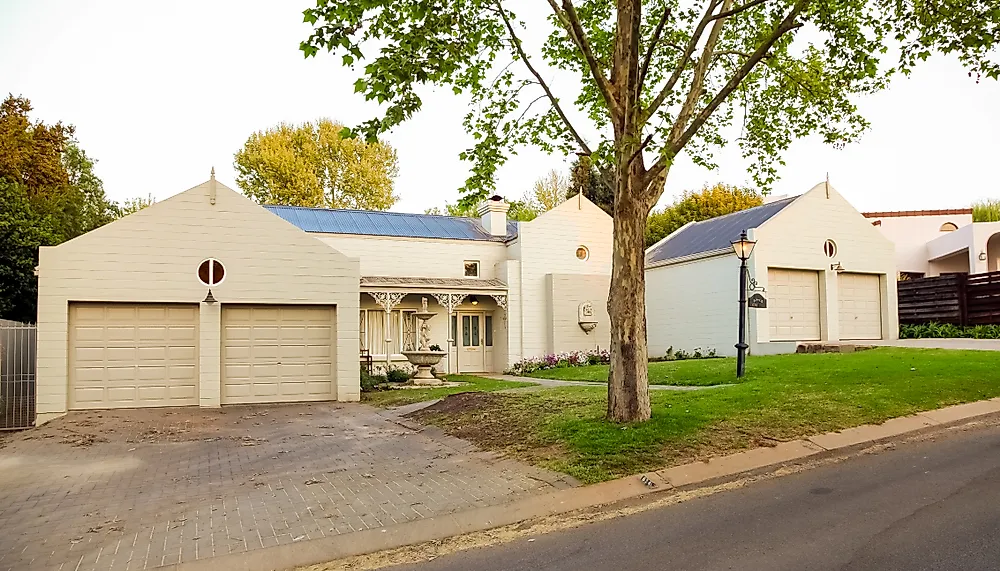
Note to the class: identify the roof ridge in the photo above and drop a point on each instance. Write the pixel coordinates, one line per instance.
(313, 208)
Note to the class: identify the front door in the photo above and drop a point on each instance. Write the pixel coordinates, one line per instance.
(471, 355)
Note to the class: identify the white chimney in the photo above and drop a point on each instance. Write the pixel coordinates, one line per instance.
(494, 215)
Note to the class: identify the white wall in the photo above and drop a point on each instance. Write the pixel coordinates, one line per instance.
(910, 234)
(693, 305)
(794, 239)
(547, 245)
(566, 293)
(153, 256)
(417, 257)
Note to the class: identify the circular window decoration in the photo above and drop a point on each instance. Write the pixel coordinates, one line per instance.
(211, 272)
(582, 253)
(830, 248)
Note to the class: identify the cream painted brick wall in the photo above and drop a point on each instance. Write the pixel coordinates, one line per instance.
(794, 239)
(547, 245)
(693, 305)
(566, 293)
(432, 258)
(153, 255)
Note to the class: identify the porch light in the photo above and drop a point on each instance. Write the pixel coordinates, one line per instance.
(837, 267)
(209, 299)
(743, 247)
(474, 300)
(982, 256)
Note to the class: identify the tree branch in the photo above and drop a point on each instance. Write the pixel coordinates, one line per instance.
(652, 47)
(786, 25)
(548, 92)
(571, 21)
(682, 64)
(738, 9)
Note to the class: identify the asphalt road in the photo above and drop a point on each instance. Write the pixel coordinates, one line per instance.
(920, 506)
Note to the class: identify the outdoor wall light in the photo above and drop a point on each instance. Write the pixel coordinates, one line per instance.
(837, 267)
(209, 299)
(982, 256)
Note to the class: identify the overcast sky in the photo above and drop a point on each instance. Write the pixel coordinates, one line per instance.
(161, 92)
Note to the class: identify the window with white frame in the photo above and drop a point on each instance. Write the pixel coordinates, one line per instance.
(402, 331)
(472, 268)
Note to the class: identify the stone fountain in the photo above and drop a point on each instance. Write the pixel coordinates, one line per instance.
(423, 358)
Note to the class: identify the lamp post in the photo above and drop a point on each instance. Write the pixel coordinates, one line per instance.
(743, 247)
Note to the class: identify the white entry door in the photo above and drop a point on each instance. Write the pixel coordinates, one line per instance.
(860, 306)
(471, 354)
(793, 307)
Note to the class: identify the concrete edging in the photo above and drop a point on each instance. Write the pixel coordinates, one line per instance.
(691, 475)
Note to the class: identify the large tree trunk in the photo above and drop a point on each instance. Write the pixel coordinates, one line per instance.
(628, 377)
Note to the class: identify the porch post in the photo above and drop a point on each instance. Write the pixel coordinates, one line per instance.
(450, 301)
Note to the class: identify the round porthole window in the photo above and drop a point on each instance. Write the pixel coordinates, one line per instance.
(582, 253)
(830, 248)
(211, 272)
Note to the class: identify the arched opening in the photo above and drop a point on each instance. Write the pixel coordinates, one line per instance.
(949, 227)
(993, 253)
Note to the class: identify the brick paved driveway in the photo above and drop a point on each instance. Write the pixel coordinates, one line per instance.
(136, 489)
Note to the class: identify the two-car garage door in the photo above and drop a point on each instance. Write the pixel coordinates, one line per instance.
(125, 355)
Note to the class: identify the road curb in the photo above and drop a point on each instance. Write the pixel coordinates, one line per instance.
(688, 476)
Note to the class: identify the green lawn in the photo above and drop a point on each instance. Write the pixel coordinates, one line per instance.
(782, 397)
(691, 372)
(399, 397)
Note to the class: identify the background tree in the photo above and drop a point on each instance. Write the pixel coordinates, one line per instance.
(49, 193)
(584, 177)
(313, 165)
(549, 190)
(520, 210)
(658, 78)
(709, 202)
(131, 205)
(986, 210)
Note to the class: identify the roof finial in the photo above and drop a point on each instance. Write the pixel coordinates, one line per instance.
(213, 173)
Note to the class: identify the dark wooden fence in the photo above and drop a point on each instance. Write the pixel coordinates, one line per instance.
(959, 299)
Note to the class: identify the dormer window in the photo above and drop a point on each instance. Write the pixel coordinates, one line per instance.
(472, 268)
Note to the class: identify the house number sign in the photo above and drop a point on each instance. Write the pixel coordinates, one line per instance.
(757, 301)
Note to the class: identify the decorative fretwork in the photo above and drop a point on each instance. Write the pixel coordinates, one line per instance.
(501, 300)
(450, 300)
(387, 299)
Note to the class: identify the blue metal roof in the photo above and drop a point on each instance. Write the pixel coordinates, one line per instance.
(376, 223)
(715, 233)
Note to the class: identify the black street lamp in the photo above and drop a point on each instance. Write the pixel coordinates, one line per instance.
(743, 247)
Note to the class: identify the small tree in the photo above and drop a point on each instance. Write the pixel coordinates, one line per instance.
(312, 164)
(132, 205)
(659, 78)
(549, 190)
(986, 210)
(709, 202)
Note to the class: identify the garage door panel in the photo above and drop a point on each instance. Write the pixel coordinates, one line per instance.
(860, 310)
(277, 354)
(132, 355)
(793, 307)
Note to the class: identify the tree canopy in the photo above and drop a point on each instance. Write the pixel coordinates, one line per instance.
(709, 202)
(49, 193)
(657, 78)
(313, 165)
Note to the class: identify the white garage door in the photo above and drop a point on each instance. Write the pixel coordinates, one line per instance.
(277, 353)
(793, 304)
(860, 306)
(132, 355)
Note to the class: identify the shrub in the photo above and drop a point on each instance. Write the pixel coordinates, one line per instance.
(948, 331)
(397, 375)
(370, 383)
(567, 359)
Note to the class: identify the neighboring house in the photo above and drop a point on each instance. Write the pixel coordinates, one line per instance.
(207, 298)
(934, 242)
(826, 273)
